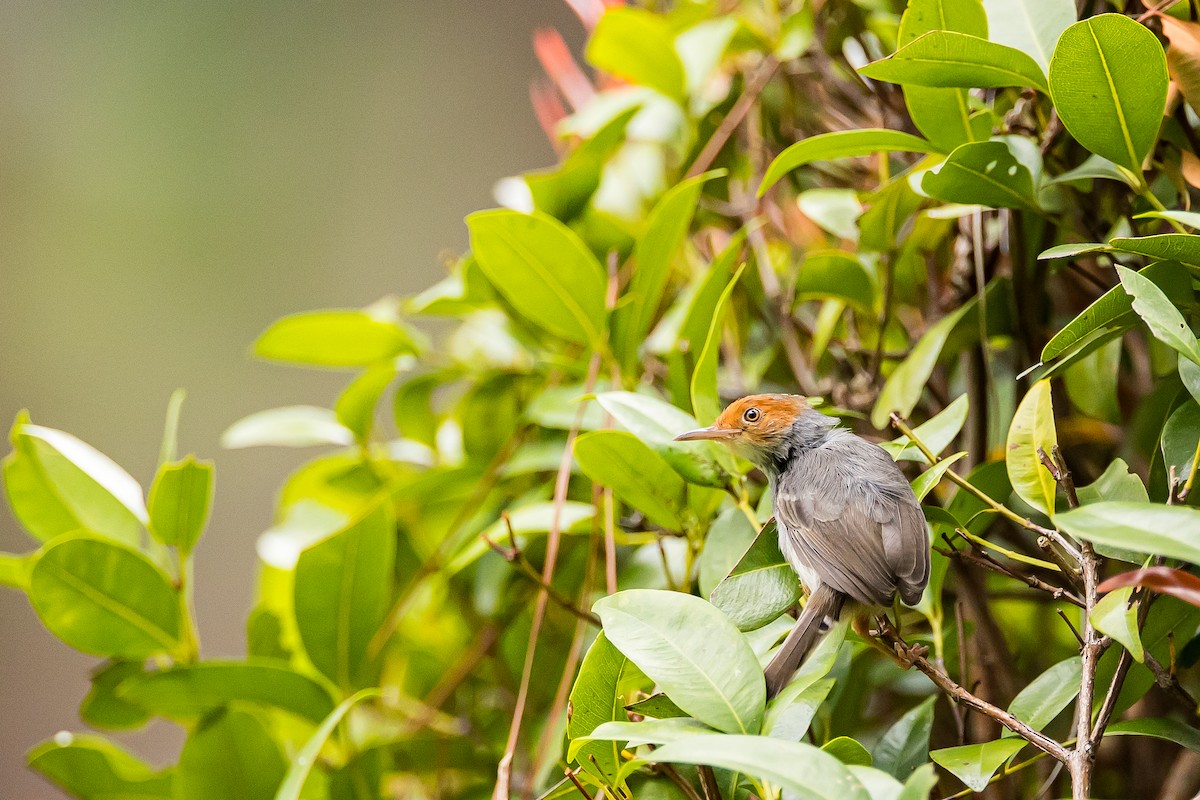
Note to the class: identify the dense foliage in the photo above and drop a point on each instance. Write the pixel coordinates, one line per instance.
(972, 215)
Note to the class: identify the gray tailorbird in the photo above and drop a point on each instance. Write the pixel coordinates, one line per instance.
(849, 523)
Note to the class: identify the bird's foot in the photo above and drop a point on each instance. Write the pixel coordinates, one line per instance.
(907, 655)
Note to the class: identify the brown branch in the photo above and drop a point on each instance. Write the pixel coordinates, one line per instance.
(1056, 465)
(708, 783)
(1083, 754)
(981, 558)
(578, 785)
(1170, 684)
(677, 779)
(753, 88)
(514, 555)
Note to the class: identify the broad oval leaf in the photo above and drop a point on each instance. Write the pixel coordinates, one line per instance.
(1160, 314)
(947, 58)
(694, 654)
(1181, 247)
(1150, 528)
(58, 484)
(340, 338)
(355, 407)
(905, 745)
(638, 475)
(834, 273)
(231, 755)
(106, 599)
(1108, 80)
(975, 764)
(842, 144)
(289, 426)
(180, 500)
(936, 433)
(1032, 428)
(982, 173)
(1047, 695)
(1031, 26)
(342, 592)
(637, 45)
(1115, 616)
(596, 698)
(90, 766)
(761, 586)
(543, 269)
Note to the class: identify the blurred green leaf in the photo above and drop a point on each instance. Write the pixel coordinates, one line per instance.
(1073, 249)
(1179, 439)
(837, 274)
(543, 269)
(841, 144)
(975, 764)
(638, 475)
(1108, 80)
(761, 586)
(342, 593)
(180, 500)
(340, 339)
(58, 484)
(706, 403)
(1189, 218)
(1114, 616)
(105, 599)
(790, 714)
(1032, 429)
(572, 517)
(14, 570)
(982, 173)
(905, 746)
(638, 45)
(292, 786)
(103, 708)
(1031, 26)
(694, 654)
(355, 407)
(1159, 314)
(88, 767)
(289, 426)
(729, 535)
(849, 751)
(231, 755)
(1169, 730)
(949, 59)
(1171, 531)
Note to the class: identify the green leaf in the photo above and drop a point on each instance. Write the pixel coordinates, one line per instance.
(694, 654)
(1170, 730)
(1179, 438)
(1108, 80)
(726, 541)
(982, 173)
(936, 433)
(905, 745)
(791, 713)
(14, 571)
(302, 763)
(803, 770)
(927, 480)
(230, 756)
(1114, 616)
(1189, 218)
(88, 767)
(657, 706)
(180, 499)
(835, 211)
(1073, 249)
(761, 586)
(842, 144)
(837, 274)
(1114, 307)
(650, 731)
(1032, 428)
(706, 403)
(102, 708)
(1047, 695)
(637, 45)
(596, 698)
(949, 59)
(58, 484)
(355, 407)
(342, 593)
(666, 229)
(638, 475)
(919, 784)
(1095, 166)
(1171, 531)
(1031, 26)
(104, 598)
(975, 764)
(339, 338)
(188, 692)
(849, 751)
(1159, 314)
(289, 426)
(1181, 247)
(525, 520)
(543, 269)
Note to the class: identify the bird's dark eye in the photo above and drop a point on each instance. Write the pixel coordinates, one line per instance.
(751, 415)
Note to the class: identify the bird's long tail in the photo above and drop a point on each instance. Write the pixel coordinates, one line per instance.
(822, 609)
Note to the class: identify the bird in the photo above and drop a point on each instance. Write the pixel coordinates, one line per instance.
(848, 521)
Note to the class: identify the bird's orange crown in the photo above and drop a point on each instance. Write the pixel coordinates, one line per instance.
(758, 421)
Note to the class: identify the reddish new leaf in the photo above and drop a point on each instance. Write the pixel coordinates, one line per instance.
(1164, 580)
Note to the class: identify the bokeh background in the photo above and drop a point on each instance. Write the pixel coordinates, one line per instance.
(175, 176)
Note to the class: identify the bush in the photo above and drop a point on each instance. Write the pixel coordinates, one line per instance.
(969, 214)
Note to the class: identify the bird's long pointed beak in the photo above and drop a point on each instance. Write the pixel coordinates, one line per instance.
(711, 432)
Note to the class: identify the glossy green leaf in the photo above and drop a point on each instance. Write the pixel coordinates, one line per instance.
(104, 598)
(289, 426)
(1114, 307)
(638, 475)
(1114, 616)
(355, 407)
(801, 769)
(1189, 374)
(924, 483)
(292, 786)
(1150, 528)
(692, 651)
(191, 691)
(231, 755)
(837, 274)
(849, 751)
(650, 731)
(835, 211)
(1179, 438)
(841, 144)
(761, 586)
(1181, 247)
(1044, 698)
(1073, 249)
(637, 45)
(1189, 218)
(596, 698)
(905, 746)
(58, 484)
(1160, 314)
(180, 500)
(728, 538)
(1108, 80)
(91, 767)
(657, 706)
(342, 593)
(343, 338)
(706, 402)
(1031, 26)
(1169, 730)
(103, 708)
(975, 764)
(543, 269)
(950, 59)
(1032, 429)
(666, 230)
(1095, 166)
(982, 173)
(936, 433)
(790, 714)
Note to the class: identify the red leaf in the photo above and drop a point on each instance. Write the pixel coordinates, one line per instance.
(1164, 580)
(556, 59)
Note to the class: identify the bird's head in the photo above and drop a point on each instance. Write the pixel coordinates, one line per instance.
(757, 427)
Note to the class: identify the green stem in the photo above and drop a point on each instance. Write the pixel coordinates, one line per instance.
(190, 646)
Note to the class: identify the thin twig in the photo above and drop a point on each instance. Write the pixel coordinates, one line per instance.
(513, 555)
(754, 86)
(980, 557)
(578, 785)
(677, 779)
(1071, 625)
(1170, 684)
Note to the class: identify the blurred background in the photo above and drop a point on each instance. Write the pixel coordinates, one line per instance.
(173, 177)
